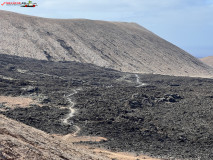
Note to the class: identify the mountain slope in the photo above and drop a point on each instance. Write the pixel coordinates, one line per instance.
(126, 47)
(208, 60)
(19, 141)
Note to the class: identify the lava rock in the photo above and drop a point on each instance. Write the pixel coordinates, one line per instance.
(135, 104)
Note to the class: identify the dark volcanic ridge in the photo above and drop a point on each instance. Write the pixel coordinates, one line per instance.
(170, 117)
(125, 47)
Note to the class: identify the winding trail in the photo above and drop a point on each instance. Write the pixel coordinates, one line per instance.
(140, 84)
(72, 113)
(73, 137)
(72, 110)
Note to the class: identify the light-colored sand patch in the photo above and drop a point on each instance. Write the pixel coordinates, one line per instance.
(71, 138)
(13, 102)
(122, 155)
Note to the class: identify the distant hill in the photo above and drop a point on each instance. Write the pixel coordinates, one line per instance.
(126, 47)
(208, 60)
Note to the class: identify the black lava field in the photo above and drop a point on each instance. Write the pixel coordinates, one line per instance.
(169, 117)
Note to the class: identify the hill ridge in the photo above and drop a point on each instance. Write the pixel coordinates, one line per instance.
(208, 60)
(123, 46)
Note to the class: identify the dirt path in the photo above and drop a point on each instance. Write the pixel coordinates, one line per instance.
(72, 110)
(71, 114)
(122, 155)
(140, 84)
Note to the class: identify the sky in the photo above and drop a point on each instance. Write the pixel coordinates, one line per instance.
(186, 23)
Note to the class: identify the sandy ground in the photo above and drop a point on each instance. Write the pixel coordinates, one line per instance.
(118, 155)
(13, 102)
(70, 138)
(123, 156)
